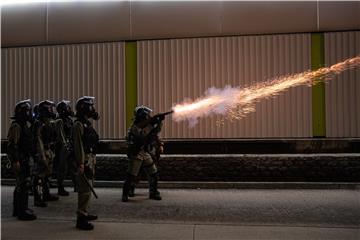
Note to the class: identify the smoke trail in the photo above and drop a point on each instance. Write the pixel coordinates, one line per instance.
(235, 103)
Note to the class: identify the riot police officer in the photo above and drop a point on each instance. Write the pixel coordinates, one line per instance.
(85, 141)
(155, 148)
(45, 138)
(35, 117)
(140, 138)
(64, 150)
(20, 149)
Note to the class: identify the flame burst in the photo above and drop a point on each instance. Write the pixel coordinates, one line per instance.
(235, 103)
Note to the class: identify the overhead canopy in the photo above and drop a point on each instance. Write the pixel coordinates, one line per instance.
(76, 22)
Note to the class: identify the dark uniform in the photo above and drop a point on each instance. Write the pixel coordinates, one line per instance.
(142, 139)
(85, 142)
(45, 138)
(64, 150)
(155, 148)
(20, 149)
(32, 164)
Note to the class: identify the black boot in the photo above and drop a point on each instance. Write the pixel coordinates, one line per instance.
(62, 191)
(75, 183)
(153, 192)
(127, 186)
(27, 216)
(24, 213)
(132, 191)
(83, 224)
(91, 217)
(46, 192)
(38, 193)
(27, 203)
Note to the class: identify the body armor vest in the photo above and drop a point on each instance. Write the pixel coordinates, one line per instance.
(26, 141)
(68, 124)
(90, 138)
(135, 144)
(48, 134)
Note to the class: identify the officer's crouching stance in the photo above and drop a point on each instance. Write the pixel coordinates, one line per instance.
(85, 141)
(20, 148)
(139, 138)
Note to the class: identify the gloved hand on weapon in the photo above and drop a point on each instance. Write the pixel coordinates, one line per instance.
(156, 120)
(159, 117)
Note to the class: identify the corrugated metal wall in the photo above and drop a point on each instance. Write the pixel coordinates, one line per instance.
(67, 72)
(343, 93)
(170, 71)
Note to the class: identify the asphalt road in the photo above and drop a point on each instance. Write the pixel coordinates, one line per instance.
(197, 214)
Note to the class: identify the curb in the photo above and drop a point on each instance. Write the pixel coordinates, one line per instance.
(222, 185)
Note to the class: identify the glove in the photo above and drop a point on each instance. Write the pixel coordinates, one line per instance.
(161, 149)
(154, 121)
(157, 119)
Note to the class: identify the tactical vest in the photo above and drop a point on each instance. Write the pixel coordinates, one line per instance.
(26, 141)
(48, 134)
(135, 145)
(90, 138)
(68, 124)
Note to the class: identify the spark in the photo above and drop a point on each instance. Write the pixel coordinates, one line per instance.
(235, 103)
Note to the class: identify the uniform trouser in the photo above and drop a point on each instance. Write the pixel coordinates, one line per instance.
(44, 168)
(21, 194)
(136, 180)
(84, 192)
(141, 159)
(66, 164)
(42, 171)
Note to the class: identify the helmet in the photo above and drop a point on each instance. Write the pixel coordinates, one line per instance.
(85, 107)
(142, 112)
(47, 109)
(64, 109)
(23, 110)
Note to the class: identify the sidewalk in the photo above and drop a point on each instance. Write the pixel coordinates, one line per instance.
(198, 214)
(46, 229)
